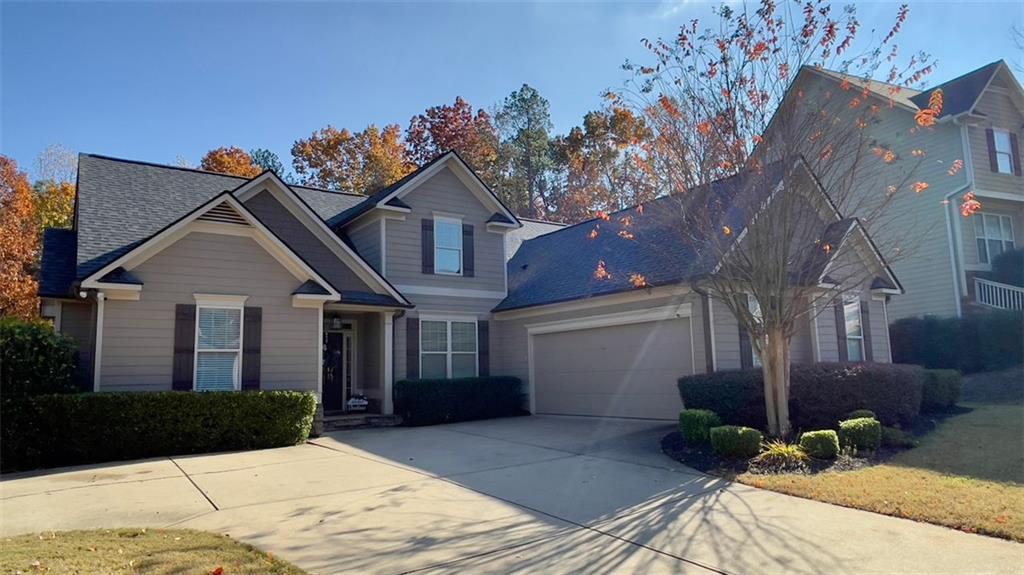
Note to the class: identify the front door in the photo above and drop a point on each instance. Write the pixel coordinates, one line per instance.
(338, 369)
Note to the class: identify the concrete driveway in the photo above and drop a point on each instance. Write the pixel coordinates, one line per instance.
(521, 495)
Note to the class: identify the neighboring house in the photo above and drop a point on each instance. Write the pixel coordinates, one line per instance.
(178, 279)
(981, 124)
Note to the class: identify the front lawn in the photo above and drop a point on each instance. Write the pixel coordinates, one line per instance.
(163, 551)
(967, 474)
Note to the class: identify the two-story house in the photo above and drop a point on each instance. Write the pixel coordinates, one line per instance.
(179, 279)
(979, 129)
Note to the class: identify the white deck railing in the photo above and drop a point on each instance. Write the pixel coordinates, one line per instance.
(998, 295)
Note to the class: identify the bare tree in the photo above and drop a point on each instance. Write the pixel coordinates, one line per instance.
(765, 151)
(56, 164)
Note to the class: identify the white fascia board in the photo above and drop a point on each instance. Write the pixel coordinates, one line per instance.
(320, 229)
(676, 311)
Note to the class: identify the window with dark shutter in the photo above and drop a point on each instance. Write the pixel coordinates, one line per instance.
(865, 324)
(483, 346)
(467, 251)
(412, 347)
(427, 245)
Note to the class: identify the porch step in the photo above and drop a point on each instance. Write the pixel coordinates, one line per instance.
(359, 420)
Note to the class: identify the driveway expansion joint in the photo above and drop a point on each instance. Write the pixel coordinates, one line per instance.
(192, 481)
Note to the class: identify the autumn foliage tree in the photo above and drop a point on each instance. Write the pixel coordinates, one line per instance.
(54, 189)
(739, 97)
(230, 160)
(456, 127)
(361, 162)
(19, 243)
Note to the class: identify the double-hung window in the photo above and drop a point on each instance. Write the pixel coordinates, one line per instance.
(1003, 151)
(994, 234)
(218, 348)
(447, 245)
(448, 348)
(854, 329)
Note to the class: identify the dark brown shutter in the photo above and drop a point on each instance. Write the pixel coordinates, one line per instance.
(844, 354)
(252, 335)
(708, 354)
(1015, 153)
(483, 348)
(412, 348)
(184, 347)
(993, 163)
(467, 250)
(427, 245)
(865, 329)
(746, 352)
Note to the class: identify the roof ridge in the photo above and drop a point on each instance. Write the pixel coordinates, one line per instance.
(964, 75)
(211, 173)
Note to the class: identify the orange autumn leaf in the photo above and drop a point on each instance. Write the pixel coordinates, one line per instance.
(918, 153)
(727, 230)
(704, 128)
(593, 233)
(626, 235)
(970, 205)
(920, 187)
(638, 280)
(603, 216)
(956, 167)
(925, 118)
(601, 273)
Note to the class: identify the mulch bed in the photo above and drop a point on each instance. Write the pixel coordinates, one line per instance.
(704, 459)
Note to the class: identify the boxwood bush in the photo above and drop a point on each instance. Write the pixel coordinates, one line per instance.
(34, 360)
(55, 430)
(695, 425)
(820, 394)
(735, 441)
(941, 389)
(822, 444)
(432, 401)
(864, 433)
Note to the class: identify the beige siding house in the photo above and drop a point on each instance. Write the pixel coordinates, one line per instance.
(177, 279)
(947, 269)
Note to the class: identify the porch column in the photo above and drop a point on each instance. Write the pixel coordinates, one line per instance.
(389, 365)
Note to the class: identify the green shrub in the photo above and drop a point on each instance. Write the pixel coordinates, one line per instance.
(821, 393)
(895, 437)
(941, 389)
(34, 360)
(432, 401)
(859, 413)
(781, 456)
(978, 341)
(695, 425)
(864, 433)
(823, 444)
(735, 441)
(56, 430)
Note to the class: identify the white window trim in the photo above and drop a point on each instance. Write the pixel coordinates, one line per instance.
(216, 301)
(987, 262)
(1008, 152)
(439, 219)
(847, 300)
(448, 320)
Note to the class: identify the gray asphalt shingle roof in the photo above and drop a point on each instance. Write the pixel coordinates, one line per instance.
(57, 269)
(560, 266)
(960, 94)
(122, 203)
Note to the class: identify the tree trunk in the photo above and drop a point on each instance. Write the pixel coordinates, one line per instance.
(775, 367)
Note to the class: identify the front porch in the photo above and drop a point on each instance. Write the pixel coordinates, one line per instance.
(356, 363)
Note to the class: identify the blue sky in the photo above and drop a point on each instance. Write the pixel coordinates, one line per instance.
(152, 81)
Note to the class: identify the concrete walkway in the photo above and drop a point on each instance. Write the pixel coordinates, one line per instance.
(521, 495)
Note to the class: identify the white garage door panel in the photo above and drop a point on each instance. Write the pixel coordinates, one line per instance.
(619, 371)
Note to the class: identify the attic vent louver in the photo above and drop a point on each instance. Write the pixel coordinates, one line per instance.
(223, 214)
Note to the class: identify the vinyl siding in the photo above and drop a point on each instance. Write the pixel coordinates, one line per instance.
(444, 193)
(1000, 113)
(78, 321)
(440, 306)
(879, 332)
(366, 240)
(727, 340)
(138, 338)
(828, 339)
(299, 239)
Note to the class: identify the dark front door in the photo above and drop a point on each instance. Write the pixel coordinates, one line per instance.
(334, 393)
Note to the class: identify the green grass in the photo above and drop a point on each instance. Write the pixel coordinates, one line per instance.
(149, 551)
(967, 474)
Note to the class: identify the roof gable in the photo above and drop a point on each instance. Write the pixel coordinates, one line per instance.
(961, 94)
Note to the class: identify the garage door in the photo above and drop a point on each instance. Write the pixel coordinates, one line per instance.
(617, 371)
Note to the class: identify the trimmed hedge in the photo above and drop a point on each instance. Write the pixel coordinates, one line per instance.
(432, 401)
(978, 341)
(820, 394)
(56, 430)
(695, 425)
(941, 389)
(35, 360)
(863, 433)
(859, 413)
(735, 441)
(894, 437)
(823, 444)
